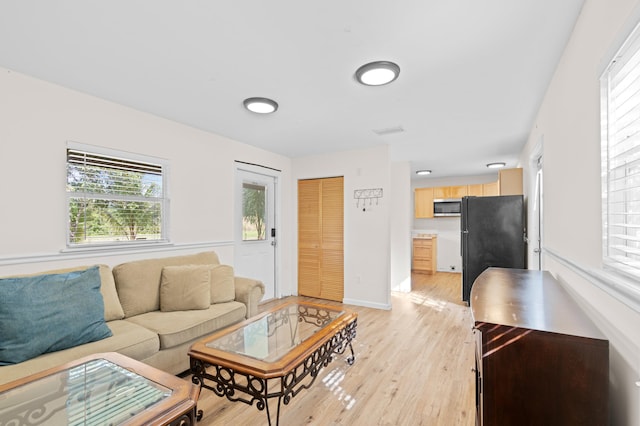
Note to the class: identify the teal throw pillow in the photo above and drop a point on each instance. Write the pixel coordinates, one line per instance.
(48, 313)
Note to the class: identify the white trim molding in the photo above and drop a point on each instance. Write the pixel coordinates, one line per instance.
(82, 253)
(620, 287)
(367, 304)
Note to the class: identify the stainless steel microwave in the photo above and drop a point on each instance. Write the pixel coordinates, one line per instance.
(447, 207)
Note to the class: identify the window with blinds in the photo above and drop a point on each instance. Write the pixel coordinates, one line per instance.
(620, 107)
(114, 200)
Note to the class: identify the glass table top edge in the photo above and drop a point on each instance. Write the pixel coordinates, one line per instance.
(241, 360)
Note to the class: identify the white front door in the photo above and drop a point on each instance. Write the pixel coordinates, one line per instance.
(255, 233)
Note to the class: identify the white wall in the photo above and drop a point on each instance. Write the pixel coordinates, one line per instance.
(366, 233)
(38, 118)
(447, 228)
(569, 123)
(401, 219)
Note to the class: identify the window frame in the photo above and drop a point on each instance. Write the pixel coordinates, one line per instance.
(628, 53)
(163, 199)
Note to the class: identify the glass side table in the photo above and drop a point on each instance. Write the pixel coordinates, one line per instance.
(103, 389)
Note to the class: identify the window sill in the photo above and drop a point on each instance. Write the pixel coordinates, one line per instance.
(615, 284)
(117, 247)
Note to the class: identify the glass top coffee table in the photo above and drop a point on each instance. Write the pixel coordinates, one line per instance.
(273, 356)
(102, 389)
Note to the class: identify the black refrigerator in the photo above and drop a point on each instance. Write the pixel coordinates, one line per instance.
(492, 234)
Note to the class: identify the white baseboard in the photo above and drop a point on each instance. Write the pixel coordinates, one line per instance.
(367, 304)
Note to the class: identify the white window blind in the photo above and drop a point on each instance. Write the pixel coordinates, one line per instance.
(621, 159)
(114, 200)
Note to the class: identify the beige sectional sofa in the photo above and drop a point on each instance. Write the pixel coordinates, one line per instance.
(144, 307)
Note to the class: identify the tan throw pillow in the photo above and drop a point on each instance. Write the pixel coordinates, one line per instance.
(184, 288)
(138, 282)
(223, 288)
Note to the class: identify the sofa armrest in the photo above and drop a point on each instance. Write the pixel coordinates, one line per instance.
(249, 292)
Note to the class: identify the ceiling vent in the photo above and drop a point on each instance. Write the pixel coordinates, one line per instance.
(388, 131)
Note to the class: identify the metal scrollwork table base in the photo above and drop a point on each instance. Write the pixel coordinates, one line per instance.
(249, 363)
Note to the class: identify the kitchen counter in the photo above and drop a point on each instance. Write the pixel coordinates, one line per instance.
(425, 236)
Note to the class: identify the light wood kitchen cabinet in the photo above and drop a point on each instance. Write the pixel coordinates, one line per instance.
(510, 181)
(424, 255)
(423, 199)
(440, 192)
(490, 189)
(475, 190)
(484, 189)
(444, 192)
(458, 191)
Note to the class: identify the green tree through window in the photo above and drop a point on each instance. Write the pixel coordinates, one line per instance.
(112, 199)
(253, 212)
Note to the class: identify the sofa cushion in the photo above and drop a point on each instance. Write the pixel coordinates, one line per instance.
(112, 307)
(223, 287)
(48, 313)
(184, 288)
(128, 339)
(138, 282)
(175, 328)
(249, 292)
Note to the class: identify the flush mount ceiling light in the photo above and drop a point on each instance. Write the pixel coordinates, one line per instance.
(496, 165)
(423, 172)
(260, 105)
(377, 73)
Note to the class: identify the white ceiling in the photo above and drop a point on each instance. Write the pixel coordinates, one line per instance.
(473, 72)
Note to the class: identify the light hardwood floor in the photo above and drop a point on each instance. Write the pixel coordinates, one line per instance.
(413, 367)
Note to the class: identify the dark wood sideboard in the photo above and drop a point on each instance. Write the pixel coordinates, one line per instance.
(539, 359)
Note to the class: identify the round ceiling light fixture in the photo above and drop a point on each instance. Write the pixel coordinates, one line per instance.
(423, 172)
(377, 73)
(496, 165)
(260, 105)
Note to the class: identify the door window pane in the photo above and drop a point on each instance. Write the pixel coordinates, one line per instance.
(253, 212)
